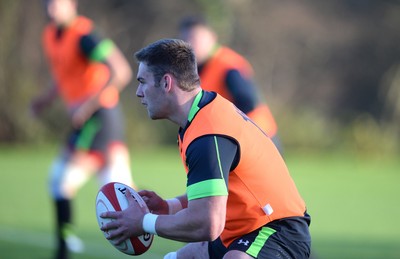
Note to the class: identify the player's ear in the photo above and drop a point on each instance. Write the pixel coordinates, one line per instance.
(167, 82)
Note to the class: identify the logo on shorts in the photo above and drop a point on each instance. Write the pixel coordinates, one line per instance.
(244, 242)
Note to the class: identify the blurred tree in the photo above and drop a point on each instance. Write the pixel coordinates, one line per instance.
(16, 74)
(321, 64)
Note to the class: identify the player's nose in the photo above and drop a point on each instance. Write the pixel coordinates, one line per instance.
(139, 92)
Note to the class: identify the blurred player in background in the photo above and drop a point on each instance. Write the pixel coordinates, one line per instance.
(88, 74)
(240, 200)
(226, 72)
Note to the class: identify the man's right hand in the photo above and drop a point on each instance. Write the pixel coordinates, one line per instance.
(39, 103)
(155, 203)
(37, 106)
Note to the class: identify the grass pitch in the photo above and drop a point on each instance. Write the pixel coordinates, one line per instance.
(353, 202)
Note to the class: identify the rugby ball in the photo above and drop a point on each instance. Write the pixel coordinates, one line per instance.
(111, 197)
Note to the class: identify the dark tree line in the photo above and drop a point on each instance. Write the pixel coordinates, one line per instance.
(329, 68)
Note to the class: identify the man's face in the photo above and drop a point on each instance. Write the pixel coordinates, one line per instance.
(201, 39)
(62, 11)
(151, 93)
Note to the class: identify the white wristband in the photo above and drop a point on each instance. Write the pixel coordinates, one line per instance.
(174, 205)
(149, 223)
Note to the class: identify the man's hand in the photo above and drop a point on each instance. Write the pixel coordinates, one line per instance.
(37, 106)
(45, 99)
(154, 202)
(126, 223)
(83, 113)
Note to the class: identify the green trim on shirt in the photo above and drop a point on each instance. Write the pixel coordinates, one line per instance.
(195, 106)
(218, 157)
(102, 50)
(207, 188)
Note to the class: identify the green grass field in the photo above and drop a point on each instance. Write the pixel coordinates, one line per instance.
(353, 202)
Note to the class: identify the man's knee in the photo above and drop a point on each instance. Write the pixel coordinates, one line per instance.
(171, 255)
(198, 250)
(236, 254)
(66, 177)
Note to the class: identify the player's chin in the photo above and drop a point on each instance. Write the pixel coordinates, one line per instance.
(155, 116)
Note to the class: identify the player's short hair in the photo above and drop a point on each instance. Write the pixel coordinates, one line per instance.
(172, 56)
(46, 2)
(188, 22)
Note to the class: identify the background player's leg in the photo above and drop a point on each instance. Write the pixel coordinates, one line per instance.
(118, 167)
(69, 172)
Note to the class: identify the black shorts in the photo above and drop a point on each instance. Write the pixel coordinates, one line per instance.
(284, 238)
(104, 127)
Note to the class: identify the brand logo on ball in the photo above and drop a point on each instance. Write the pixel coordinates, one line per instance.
(147, 236)
(122, 190)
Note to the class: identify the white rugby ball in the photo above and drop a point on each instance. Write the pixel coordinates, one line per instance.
(111, 197)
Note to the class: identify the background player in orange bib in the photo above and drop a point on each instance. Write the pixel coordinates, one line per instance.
(88, 74)
(228, 73)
